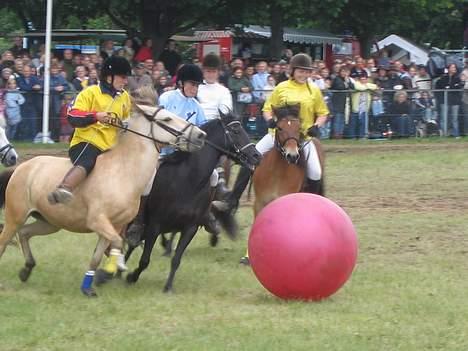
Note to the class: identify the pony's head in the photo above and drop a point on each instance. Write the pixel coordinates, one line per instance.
(238, 142)
(8, 155)
(288, 131)
(162, 125)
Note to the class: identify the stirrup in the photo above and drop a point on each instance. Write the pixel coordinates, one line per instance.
(60, 195)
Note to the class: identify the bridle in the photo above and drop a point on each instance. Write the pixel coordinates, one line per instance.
(4, 151)
(179, 134)
(238, 153)
(280, 146)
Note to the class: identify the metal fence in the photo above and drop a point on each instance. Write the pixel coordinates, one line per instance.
(376, 113)
(353, 114)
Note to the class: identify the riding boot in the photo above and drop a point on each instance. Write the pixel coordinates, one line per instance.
(136, 228)
(64, 192)
(232, 201)
(313, 187)
(221, 189)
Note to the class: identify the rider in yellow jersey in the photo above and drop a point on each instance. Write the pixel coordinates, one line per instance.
(92, 108)
(313, 114)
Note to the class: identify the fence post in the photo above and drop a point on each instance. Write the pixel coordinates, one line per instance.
(445, 112)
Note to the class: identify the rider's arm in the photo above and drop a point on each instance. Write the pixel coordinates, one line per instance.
(321, 110)
(79, 115)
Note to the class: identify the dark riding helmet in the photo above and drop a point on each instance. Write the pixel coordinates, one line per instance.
(212, 61)
(190, 72)
(302, 61)
(115, 66)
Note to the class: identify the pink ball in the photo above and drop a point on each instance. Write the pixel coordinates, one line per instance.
(302, 246)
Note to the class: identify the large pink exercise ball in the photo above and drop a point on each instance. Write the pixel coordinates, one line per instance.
(302, 246)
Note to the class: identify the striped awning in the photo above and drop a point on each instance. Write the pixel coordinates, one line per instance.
(299, 36)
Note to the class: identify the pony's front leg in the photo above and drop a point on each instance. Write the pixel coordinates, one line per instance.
(87, 284)
(105, 229)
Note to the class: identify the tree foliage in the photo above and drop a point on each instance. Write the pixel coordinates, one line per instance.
(436, 22)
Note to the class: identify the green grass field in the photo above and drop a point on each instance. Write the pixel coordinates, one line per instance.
(409, 203)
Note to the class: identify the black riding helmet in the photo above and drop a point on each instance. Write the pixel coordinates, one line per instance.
(190, 72)
(115, 66)
(212, 61)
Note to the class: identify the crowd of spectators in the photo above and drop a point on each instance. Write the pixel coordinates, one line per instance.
(366, 97)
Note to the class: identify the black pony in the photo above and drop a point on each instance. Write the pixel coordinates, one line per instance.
(180, 198)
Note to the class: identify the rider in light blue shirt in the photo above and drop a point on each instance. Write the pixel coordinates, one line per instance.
(182, 101)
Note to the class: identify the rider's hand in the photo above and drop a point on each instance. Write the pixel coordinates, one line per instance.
(271, 123)
(102, 117)
(313, 131)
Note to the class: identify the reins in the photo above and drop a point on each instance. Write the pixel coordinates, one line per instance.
(7, 147)
(238, 154)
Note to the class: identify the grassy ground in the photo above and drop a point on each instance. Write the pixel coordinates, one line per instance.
(408, 201)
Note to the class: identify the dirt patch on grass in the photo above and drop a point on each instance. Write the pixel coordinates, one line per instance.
(389, 146)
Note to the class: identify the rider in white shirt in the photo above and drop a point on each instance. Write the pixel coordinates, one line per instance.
(214, 97)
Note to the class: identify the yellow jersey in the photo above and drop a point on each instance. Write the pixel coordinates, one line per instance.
(87, 103)
(307, 95)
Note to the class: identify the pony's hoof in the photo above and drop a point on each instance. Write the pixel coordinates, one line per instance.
(132, 278)
(102, 277)
(167, 253)
(168, 290)
(90, 292)
(245, 261)
(24, 274)
(214, 240)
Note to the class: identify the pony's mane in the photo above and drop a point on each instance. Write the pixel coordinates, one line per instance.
(287, 111)
(145, 95)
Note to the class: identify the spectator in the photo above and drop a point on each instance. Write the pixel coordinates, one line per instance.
(450, 104)
(259, 81)
(241, 90)
(67, 64)
(81, 81)
(284, 72)
(361, 102)
(17, 47)
(58, 85)
(400, 114)
(128, 50)
(66, 130)
(77, 60)
(249, 72)
(160, 66)
(170, 57)
(148, 64)
(270, 86)
(422, 80)
(107, 49)
(384, 60)
(13, 101)
(18, 68)
(139, 78)
(275, 71)
(93, 78)
(341, 101)
(370, 67)
(359, 69)
(464, 78)
(145, 52)
(5, 75)
(164, 85)
(425, 105)
(31, 109)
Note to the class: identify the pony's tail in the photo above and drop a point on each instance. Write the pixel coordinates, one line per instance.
(4, 179)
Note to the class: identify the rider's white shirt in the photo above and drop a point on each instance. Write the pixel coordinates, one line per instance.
(213, 97)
